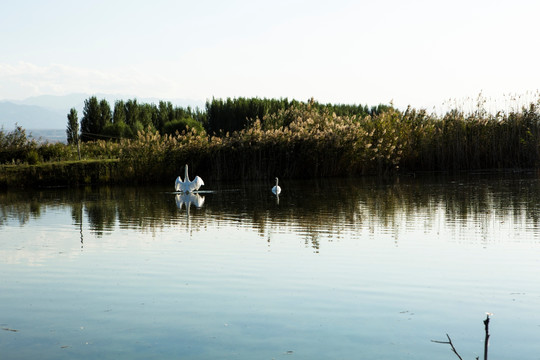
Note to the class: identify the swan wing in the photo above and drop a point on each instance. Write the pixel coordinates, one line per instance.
(197, 183)
(178, 184)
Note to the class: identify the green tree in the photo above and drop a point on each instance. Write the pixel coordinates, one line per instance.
(91, 119)
(146, 112)
(165, 114)
(132, 112)
(72, 130)
(118, 128)
(119, 113)
(105, 115)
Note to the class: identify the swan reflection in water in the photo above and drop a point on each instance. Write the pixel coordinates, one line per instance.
(189, 199)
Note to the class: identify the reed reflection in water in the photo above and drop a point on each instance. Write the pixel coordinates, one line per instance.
(350, 268)
(334, 208)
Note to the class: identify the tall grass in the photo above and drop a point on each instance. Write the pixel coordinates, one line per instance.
(478, 140)
(309, 140)
(318, 143)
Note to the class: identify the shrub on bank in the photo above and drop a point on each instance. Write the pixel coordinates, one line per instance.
(16, 147)
(179, 125)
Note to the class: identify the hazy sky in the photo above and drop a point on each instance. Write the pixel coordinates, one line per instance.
(412, 52)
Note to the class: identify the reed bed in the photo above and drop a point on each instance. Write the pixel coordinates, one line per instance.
(318, 143)
(314, 142)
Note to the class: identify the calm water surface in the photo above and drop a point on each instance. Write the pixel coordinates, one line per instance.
(333, 269)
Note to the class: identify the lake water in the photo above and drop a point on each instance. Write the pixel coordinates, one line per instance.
(333, 269)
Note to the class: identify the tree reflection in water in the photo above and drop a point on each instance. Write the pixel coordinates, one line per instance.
(335, 207)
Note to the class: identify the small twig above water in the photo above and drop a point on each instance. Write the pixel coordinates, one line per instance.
(449, 342)
(486, 341)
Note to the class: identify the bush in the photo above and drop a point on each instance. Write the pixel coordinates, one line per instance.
(32, 157)
(182, 125)
(56, 152)
(15, 146)
(118, 131)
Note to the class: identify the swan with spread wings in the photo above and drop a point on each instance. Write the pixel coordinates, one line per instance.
(187, 186)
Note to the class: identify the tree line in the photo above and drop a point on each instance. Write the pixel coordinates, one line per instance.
(237, 114)
(127, 118)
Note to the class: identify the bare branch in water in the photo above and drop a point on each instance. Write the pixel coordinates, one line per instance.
(486, 341)
(449, 342)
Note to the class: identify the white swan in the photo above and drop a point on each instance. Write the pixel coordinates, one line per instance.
(276, 189)
(187, 186)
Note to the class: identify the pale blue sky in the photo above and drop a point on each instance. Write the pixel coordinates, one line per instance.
(412, 52)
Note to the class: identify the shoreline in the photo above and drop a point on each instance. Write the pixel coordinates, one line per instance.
(74, 174)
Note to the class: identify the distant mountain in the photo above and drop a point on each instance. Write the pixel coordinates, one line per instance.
(30, 117)
(67, 102)
(50, 112)
(55, 102)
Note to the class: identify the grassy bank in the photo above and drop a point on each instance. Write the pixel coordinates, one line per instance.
(311, 141)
